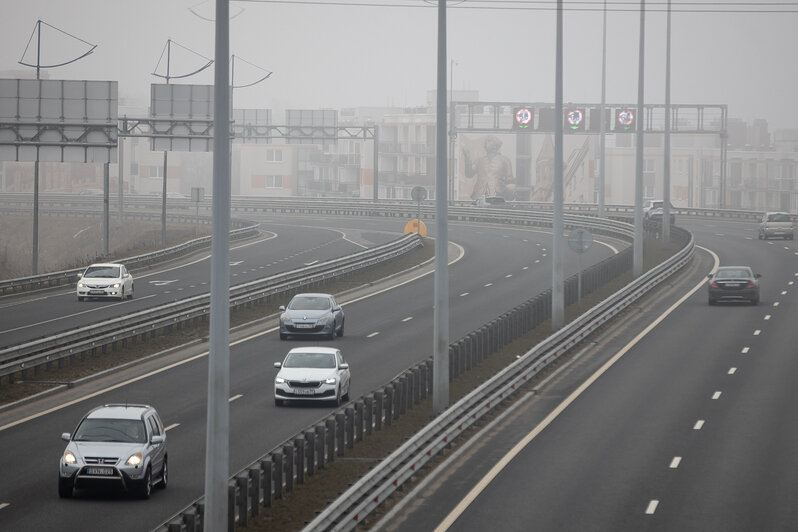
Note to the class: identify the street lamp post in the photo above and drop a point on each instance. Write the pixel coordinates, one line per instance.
(452, 132)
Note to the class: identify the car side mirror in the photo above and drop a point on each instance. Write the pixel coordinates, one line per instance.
(344, 366)
(336, 308)
(80, 276)
(281, 307)
(156, 439)
(277, 365)
(758, 275)
(65, 436)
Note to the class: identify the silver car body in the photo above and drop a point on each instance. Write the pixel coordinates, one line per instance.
(105, 280)
(312, 314)
(115, 446)
(776, 224)
(312, 374)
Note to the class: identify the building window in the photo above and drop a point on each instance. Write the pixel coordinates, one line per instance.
(274, 156)
(274, 181)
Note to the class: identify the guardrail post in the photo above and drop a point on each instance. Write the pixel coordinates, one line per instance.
(368, 414)
(388, 405)
(320, 447)
(254, 503)
(288, 450)
(231, 506)
(299, 443)
(279, 470)
(330, 440)
(339, 432)
(402, 396)
(191, 520)
(349, 412)
(242, 482)
(416, 376)
(268, 481)
(359, 421)
(310, 439)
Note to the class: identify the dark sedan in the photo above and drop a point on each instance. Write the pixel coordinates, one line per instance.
(733, 283)
(312, 315)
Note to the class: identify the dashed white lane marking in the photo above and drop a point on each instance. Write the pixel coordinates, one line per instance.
(537, 261)
(698, 424)
(4, 505)
(489, 284)
(767, 316)
(776, 304)
(784, 292)
(791, 283)
(745, 350)
(652, 507)
(172, 426)
(239, 396)
(525, 268)
(545, 254)
(716, 395)
(675, 462)
(407, 319)
(464, 294)
(372, 335)
(508, 275)
(757, 332)
(732, 371)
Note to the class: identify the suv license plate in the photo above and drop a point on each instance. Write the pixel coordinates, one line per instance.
(304, 391)
(105, 471)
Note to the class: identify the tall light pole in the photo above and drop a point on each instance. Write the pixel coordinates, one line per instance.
(666, 185)
(452, 133)
(440, 357)
(637, 266)
(602, 112)
(557, 275)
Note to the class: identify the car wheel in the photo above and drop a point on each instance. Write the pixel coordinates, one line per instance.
(122, 295)
(130, 295)
(145, 488)
(755, 301)
(341, 330)
(346, 395)
(283, 336)
(65, 487)
(338, 399)
(278, 402)
(332, 333)
(164, 475)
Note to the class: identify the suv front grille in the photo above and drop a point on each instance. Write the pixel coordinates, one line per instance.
(101, 460)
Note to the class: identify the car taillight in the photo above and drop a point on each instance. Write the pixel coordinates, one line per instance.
(713, 284)
(750, 284)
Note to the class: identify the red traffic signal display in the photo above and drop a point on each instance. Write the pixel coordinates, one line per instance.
(624, 120)
(522, 118)
(574, 120)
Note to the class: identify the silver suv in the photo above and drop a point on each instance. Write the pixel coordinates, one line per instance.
(776, 224)
(115, 446)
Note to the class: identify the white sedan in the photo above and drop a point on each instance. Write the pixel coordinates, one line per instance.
(104, 281)
(312, 373)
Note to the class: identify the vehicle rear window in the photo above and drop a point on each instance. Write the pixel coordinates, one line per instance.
(779, 218)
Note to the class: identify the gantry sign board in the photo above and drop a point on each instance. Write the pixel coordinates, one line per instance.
(181, 117)
(586, 118)
(58, 120)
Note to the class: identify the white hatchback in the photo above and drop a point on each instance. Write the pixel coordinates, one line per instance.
(107, 280)
(312, 374)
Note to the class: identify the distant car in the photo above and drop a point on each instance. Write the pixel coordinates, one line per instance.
(654, 209)
(733, 283)
(103, 280)
(312, 374)
(776, 224)
(490, 201)
(312, 314)
(115, 446)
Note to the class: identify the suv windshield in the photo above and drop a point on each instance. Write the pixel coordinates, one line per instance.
(111, 430)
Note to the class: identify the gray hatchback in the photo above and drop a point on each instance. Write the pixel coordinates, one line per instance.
(312, 314)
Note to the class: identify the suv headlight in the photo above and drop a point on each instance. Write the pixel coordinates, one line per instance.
(69, 458)
(330, 380)
(134, 460)
(279, 380)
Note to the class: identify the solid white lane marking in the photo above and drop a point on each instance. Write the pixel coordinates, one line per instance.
(652, 507)
(407, 318)
(472, 495)
(732, 371)
(464, 294)
(372, 335)
(698, 424)
(757, 332)
(716, 395)
(172, 426)
(745, 350)
(239, 396)
(675, 462)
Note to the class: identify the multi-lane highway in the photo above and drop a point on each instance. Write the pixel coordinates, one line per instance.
(388, 329)
(686, 425)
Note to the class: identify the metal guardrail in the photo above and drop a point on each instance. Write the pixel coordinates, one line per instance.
(244, 228)
(388, 476)
(46, 350)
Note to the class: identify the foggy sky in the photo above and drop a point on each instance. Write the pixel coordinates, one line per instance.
(334, 56)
